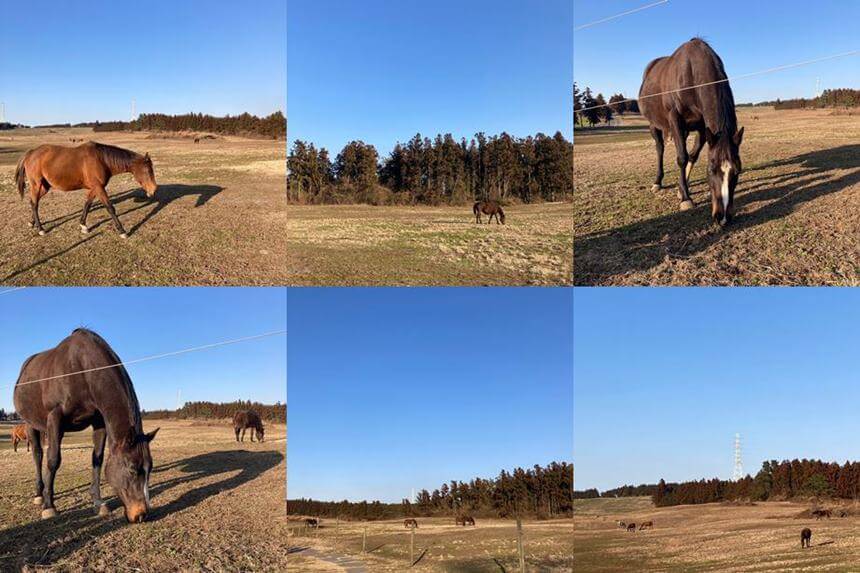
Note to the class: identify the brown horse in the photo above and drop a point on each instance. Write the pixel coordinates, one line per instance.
(312, 523)
(410, 523)
(19, 434)
(708, 110)
(465, 520)
(245, 419)
(491, 208)
(631, 527)
(54, 396)
(805, 537)
(819, 513)
(88, 166)
(646, 525)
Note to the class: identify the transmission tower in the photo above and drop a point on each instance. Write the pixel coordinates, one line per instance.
(133, 114)
(3, 112)
(739, 466)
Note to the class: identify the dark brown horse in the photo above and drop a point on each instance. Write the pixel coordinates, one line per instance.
(88, 166)
(708, 110)
(819, 513)
(465, 520)
(53, 403)
(410, 523)
(805, 537)
(312, 523)
(245, 419)
(491, 208)
(631, 527)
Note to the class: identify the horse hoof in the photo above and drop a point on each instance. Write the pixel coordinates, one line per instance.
(686, 205)
(49, 513)
(656, 187)
(41, 233)
(30, 224)
(104, 511)
(37, 500)
(85, 229)
(123, 236)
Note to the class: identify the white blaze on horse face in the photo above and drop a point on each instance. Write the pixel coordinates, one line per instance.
(146, 492)
(724, 190)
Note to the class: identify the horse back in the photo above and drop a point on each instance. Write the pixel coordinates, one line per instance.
(67, 168)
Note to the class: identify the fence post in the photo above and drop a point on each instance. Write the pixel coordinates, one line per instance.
(520, 546)
(364, 541)
(337, 527)
(412, 545)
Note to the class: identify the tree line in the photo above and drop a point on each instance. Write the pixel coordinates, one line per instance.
(210, 410)
(831, 98)
(587, 107)
(434, 171)
(274, 125)
(541, 492)
(8, 416)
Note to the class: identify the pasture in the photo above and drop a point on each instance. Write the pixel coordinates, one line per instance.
(217, 506)
(351, 245)
(218, 217)
(711, 537)
(797, 206)
(491, 546)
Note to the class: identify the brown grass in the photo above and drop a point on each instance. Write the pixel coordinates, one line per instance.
(797, 207)
(218, 218)
(490, 546)
(364, 245)
(217, 506)
(711, 537)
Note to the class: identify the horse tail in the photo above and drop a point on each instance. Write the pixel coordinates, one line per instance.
(20, 175)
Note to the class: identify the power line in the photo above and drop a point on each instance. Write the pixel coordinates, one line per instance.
(11, 290)
(742, 76)
(156, 356)
(601, 21)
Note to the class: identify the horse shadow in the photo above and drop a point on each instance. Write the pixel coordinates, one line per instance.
(165, 195)
(642, 245)
(36, 543)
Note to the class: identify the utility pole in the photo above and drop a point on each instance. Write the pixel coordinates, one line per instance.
(738, 473)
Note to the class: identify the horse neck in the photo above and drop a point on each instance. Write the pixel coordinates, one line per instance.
(120, 161)
(120, 411)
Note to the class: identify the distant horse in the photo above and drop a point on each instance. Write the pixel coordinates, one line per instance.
(491, 208)
(410, 523)
(819, 513)
(53, 398)
(245, 419)
(196, 140)
(19, 434)
(631, 527)
(708, 110)
(622, 524)
(88, 166)
(312, 523)
(465, 520)
(805, 537)
(646, 524)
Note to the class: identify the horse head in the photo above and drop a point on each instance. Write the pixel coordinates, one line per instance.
(145, 175)
(260, 433)
(724, 167)
(127, 470)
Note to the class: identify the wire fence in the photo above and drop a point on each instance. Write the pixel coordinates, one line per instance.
(621, 15)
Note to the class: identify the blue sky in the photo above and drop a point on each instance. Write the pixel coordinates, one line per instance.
(664, 378)
(140, 322)
(383, 70)
(85, 61)
(748, 36)
(392, 388)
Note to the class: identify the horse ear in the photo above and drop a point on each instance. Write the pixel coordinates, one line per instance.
(739, 137)
(151, 435)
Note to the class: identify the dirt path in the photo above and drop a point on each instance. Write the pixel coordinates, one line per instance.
(347, 563)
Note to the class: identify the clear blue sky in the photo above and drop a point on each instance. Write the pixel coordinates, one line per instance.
(748, 35)
(140, 322)
(382, 70)
(74, 61)
(395, 388)
(664, 378)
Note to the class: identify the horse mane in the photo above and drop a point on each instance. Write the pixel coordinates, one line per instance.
(725, 121)
(116, 158)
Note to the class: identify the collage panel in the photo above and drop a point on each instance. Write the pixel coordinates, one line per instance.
(424, 436)
(159, 427)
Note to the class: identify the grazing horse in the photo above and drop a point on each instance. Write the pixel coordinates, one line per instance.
(708, 110)
(646, 524)
(245, 419)
(312, 523)
(819, 513)
(19, 434)
(88, 166)
(805, 537)
(622, 524)
(55, 395)
(631, 527)
(491, 208)
(465, 520)
(410, 523)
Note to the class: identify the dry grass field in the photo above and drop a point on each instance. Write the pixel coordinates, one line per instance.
(491, 546)
(218, 217)
(217, 506)
(364, 245)
(797, 207)
(711, 537)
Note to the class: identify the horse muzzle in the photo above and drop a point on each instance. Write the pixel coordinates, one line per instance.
(136, 513)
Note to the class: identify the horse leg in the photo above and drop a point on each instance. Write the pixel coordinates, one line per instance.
(658, 140)
(102, 196)
(90, 197)
(36, 192)
(697, 149)
(243, 434)
(99, 437)
(237, 433)
(679, 134)
(55, 435)
(35, 438)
